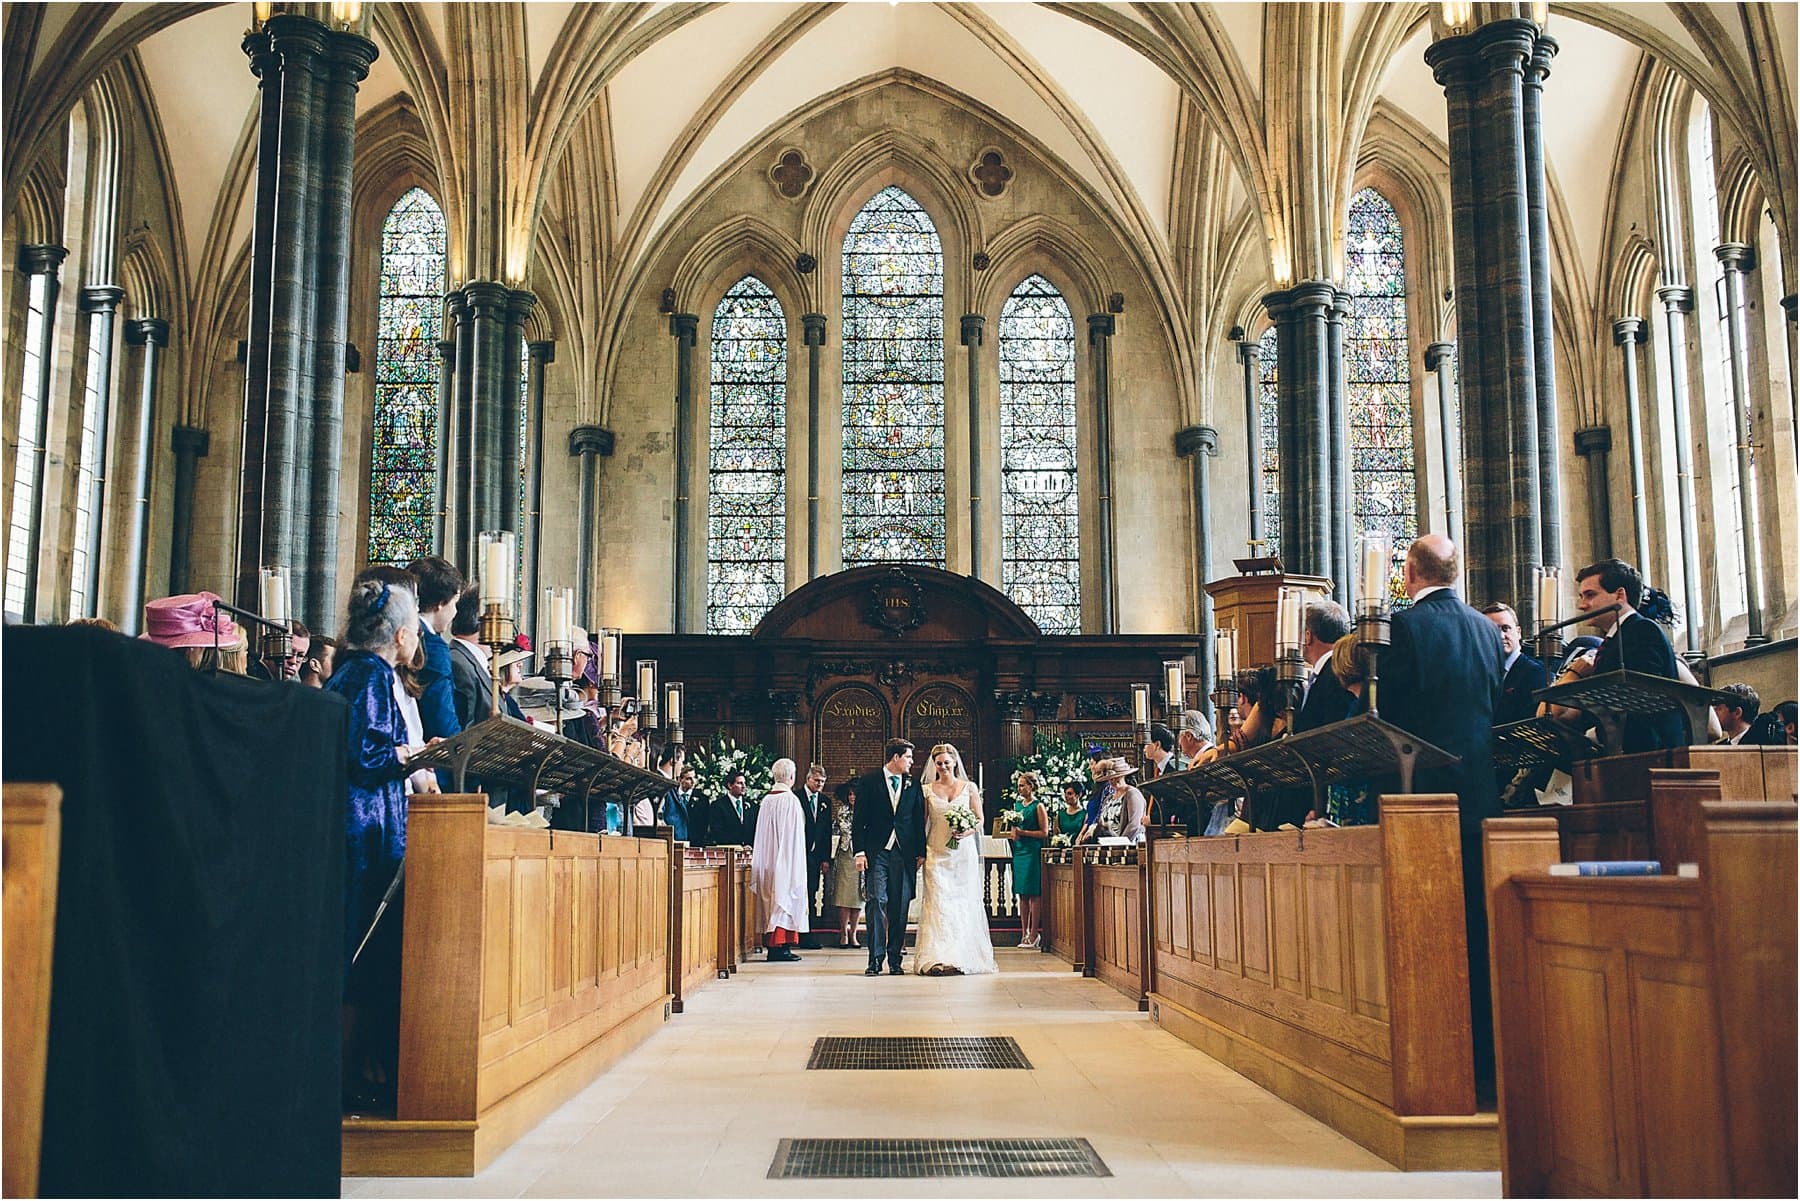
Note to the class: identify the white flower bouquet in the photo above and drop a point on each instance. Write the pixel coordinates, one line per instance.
(1005, 822)
(962, 822)
(1061, 840)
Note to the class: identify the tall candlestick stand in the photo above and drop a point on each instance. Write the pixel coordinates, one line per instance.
(496, 635)
(1374, 633)
(274, 644)
(559, 669)
(1290, 674)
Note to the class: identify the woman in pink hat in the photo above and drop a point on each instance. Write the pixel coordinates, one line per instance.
(192, 624)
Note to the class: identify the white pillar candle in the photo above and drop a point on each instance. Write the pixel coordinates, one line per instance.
(1376, 555)
(646, 686)
(609, 652)
(1174, 685)
(1140, 703)
(672, 705)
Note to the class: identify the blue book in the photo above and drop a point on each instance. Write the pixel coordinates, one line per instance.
(1608, 867)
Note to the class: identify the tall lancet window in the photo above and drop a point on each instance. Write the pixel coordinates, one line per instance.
(22, 538)
(893, 385)
(404, 452)
(746, 508)
(1040, 512)
(1378, 375)
(1269, 444)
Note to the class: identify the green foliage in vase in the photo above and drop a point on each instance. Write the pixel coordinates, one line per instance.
(716, 761)
(1058, 759)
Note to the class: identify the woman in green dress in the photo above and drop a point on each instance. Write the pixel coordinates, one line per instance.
(1071, 819)
(1029, 837)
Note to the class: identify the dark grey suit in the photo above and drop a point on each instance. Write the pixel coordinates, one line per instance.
(890, 872)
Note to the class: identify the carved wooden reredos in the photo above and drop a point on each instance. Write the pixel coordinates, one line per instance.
(852, 659)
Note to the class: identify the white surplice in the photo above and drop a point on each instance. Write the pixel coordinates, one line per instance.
(778, 864)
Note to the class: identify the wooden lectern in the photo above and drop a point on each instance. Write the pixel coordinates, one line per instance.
(1246, 603)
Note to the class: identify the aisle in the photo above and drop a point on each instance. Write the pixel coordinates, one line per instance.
(699, 1109)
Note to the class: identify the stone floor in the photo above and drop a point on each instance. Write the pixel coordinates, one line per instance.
(698, 1109)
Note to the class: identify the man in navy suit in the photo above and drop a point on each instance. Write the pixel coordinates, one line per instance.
(1324, 700)
(888, 833)
(1524, 675)
(1440, 680)
(1631, 641)
(440, 586)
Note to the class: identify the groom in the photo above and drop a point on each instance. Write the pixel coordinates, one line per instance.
(889, 835)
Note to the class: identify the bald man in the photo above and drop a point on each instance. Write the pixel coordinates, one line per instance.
(1441, 680)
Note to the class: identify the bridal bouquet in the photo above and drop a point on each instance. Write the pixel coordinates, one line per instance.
(962, 823)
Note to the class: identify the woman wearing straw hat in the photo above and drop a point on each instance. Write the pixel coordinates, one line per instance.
(1122, 806)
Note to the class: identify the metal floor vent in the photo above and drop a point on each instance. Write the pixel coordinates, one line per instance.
(913, 1054)
(915, 1158)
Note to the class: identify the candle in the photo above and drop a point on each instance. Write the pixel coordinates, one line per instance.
(1226, 656)
(1376, 556)
(609, 653)
(273, 593)
(1299, 619)
(1549, 596)
(1140, 704)
(1174, 685)
(561, 601)
(672, 704)
(646, 682)
(497, 558)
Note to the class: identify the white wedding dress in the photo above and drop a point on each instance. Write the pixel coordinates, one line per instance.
(953, 926)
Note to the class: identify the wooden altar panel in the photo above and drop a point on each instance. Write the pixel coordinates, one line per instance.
(851, 730)
(943, 713)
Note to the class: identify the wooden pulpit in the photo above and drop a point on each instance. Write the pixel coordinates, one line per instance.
(1246, 603)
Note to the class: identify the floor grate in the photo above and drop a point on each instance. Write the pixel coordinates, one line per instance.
(913, 1054)
(914, 1158)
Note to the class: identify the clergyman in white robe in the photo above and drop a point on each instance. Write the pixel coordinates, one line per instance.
(778, 868)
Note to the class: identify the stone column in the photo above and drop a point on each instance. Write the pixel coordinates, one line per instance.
(972, 324)
(266, 65)
(1593, 444)
(1247, 352)
(190, 444)
(1337, 400)
(686, 329)
(1101, 327)
(1439, 360)
(346, 65)
(1543, 329)
(1016, 725)
(1677, 302)
(786, 707)
(47, 261)
(1737, 258)
(448, 431)
(1628, 333)
(1199, 444)
(812, 327)
(587, 443)
(461, 488)
(487, 386)
(542, 355)
(101, 304)
(519, 304)
(1482, 74)
(151, 333)
(1303, 416)
(1790, 304)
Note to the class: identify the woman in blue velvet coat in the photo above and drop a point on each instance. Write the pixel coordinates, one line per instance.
(382, 630)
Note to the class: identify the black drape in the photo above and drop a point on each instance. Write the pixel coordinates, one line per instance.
(197, 978)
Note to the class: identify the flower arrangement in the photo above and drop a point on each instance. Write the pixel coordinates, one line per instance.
(1058, 759)
(715, 761)
(962, 822)
(1061, 840)
(1006, 821)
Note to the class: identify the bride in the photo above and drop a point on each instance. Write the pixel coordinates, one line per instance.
(953, 929)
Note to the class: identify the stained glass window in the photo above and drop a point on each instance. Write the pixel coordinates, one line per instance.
(1378, 375)
(1266, 374)
(746, 508)
(404, 454)
(1040, 515)
(893, 483)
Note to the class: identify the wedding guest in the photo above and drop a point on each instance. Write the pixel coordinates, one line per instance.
(731, 819)
(98, 623)
(1194, 738)
(321, 655)
(205, 634)
(1524, 675)
(1122, 806)
(819, 837)
(1351, 803)
(1322, 699)
(678, 807)
(471, 678)
(289, 666)
(643, 810)
(440, 585)
(381, 632)
(1736, 715)
(407, 682)
(1789, 713)
(1629, 640)
(778, 867)
(1029, 835)
(1071, 819)
(846, 884)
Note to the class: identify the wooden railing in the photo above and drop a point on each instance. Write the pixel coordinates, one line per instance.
(1646, 1030)
(32, 845)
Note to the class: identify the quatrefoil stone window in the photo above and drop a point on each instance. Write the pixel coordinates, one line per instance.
(791, 174)
(989, 172)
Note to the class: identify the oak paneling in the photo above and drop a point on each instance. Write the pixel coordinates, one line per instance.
(32, 846)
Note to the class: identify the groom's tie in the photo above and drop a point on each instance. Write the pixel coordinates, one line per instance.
(894, 800)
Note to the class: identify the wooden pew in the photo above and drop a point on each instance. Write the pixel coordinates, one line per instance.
(31, 850)
(743, 909)
(531, 961)
(1066, 927)
(1331, 967)
(1113, 881)
(1645, 1026)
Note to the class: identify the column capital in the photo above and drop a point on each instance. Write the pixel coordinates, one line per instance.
(1629, 329)
(190, 440)
(1452, 60)
(1439, 354)
(1677, 298)
(1537, 67)
(1248, 350)
(1197, 439)
(1316, 294)
(351, 53)
(147, 331)
(1736, 256)
(42, 258)
(447, 352)
(1101, 325)
(543, 352)
(101, 298)
(1594, 440)
(519, 303)
(974, 323)
(292, 33)
(484, 294)
(684, 327)
(785, 705)
(590, 440)
(1506, 45)
(812, 328)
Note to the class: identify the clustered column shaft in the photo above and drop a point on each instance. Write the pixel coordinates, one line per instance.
(813, 328)
(151, 333)
(1678, 301)
(1628, 334)
(972, 324)
(1304, 424)
(686, 329)
(1100, 331)
(1200, 444)
(587, 443)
